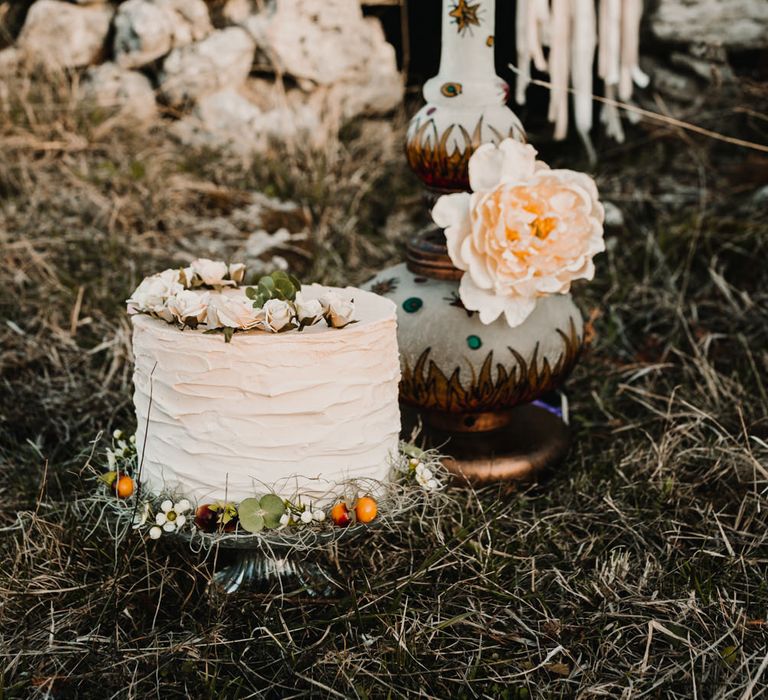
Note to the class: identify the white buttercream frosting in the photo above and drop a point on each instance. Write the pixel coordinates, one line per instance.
(291, 413)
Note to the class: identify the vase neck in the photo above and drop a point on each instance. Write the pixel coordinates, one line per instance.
(468, 38)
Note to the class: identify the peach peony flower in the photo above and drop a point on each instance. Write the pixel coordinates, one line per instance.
(524, 232)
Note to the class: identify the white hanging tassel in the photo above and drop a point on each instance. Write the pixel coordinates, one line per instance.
(559, 59)
(630, 71)
(532, 17)
(572, 30)
(609, 64)
(523, 51)
(582, 61)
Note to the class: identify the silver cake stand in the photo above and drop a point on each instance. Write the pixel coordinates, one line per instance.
(283, 558)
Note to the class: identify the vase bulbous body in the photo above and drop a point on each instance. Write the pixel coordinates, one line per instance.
(463, 374)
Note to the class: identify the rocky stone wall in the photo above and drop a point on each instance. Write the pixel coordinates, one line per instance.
(234, 72)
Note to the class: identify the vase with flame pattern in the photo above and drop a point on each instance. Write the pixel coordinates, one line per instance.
(462, 376)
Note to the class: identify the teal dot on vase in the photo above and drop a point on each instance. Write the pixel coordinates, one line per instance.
(474, 342)
(412, 304)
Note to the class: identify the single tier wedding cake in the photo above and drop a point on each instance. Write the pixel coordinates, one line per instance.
(276, 388)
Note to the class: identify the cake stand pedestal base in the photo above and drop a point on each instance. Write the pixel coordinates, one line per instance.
(533, 441)
(253, 570)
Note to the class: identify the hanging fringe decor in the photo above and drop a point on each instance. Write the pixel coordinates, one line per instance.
(573, 29)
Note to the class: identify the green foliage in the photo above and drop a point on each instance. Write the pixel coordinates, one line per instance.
(250, 512)
(276, 285)
(259, 513)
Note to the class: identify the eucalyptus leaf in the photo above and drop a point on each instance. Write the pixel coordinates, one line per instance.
(251, 518)
(272, 508)
(285, 289)
(250, 292)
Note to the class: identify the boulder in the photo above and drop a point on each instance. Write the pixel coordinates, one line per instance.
(9, 60)
(378, 88)
(322, 40)
(64, 35)
(230, 120)
(330, 43)
(129, 93)
(735, 24)
(232, 12)
(146, 30)
(222, 60)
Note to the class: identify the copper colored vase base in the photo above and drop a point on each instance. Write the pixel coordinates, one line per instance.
(533, 441)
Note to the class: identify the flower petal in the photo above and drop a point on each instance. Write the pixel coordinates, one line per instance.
(518, 309)
(451, 212)
(487, 303)
(485, 167)
(166, 505)
(518, 161)
(451, 209)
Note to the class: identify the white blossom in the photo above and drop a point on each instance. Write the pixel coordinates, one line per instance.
(153, 293)
(308, 310)
(211, 272)
(232, 312)
(277, 314)
(187, 305)
(236, 272)
(172, 515)
(524, 232)
(337, 310)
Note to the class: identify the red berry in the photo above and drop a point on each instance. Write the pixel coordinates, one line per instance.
(340, 514)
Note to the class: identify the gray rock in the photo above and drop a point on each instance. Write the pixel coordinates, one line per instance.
(228, 119)
(329, 43)
(736, 24)
(10, 59)
(222, 60)
(233, 12)
(127, 92)
(146, 30)
(64, 35)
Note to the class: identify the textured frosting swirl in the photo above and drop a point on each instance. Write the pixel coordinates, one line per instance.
(292, 413)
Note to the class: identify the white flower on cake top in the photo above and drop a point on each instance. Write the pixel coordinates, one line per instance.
(526, 231)
(208, 293)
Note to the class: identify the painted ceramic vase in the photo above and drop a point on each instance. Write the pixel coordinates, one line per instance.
(464, 375)
(465, 102)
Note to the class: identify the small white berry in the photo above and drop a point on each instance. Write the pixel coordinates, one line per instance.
(117, 434)
(306, 517)
(319, 515)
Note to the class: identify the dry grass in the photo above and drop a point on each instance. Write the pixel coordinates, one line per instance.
(640, 568)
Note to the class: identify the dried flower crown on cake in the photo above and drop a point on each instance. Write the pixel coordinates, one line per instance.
(526, 231)
(193, 297)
